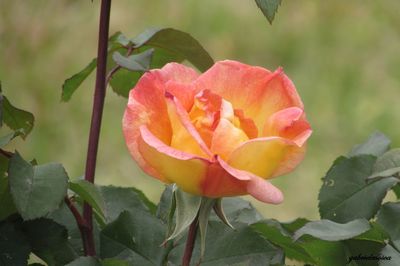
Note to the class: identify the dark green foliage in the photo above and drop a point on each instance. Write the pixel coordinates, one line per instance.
(176, 42)
(136, 62)
(331, 231)
(36, 190)
(269, 8)
(49, 241)
(138, 234)
(225, 246)
(149, 50)
(71, 84)
(89, 193)
(388, 218)
(16, 119)
(118, 200)
(377, 144)
(14, 247)
(346, 195)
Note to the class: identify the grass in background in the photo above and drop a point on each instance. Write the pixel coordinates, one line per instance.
(343, 57)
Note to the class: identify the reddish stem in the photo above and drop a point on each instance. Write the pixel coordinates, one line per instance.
(82, 225)
(187, 255)
(97, 113)
(6, 153)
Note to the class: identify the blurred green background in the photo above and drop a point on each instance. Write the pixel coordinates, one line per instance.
(343, 56)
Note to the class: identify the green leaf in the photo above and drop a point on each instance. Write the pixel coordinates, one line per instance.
(207, 205)
(49, 241)
(176, 42)
(375, 234)
(84, 261)
(387, 165)
(356, 249)
(164, 206)
(331, 231)
(89, 193)
(135, 238)
(71, 84)
(326, 253)
(136, 62)
(388, 218)
(269, 8)
(225, 246)
(320, 251)
(239, 212)
(6, 201)
(14, 248)
(377, 144)
(36, 190)
(114, 262)
(390, 256)
(124, 80)
(17, 119)
(117, 40)
(64, 217)
(118, 199)
(275, 233)
(345, 195)
(219, 211)
(187, 208)
(396, 190)
(7, 138)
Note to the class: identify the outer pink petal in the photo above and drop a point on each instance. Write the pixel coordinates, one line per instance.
(146, 105)
(178, 79)
(289, 123)
(199, 176)
(254, 185)
(255, 90)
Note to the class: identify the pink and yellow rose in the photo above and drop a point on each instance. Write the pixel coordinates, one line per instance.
(217, 134)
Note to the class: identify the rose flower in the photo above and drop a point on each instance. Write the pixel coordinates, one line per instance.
(217, 134)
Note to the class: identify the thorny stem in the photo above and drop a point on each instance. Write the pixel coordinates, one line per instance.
(187, 255)
(97, 113)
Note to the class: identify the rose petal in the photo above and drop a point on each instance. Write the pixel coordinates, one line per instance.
(264, 191)
(265, 157)
(184, 135)
(147, 105)
(246, 124)
(186, 170)
(255, 90)
(257, 187)
(288, 123)
(226, 138)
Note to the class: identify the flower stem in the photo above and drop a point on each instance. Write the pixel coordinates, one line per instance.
(81, 223)
(187, 255)
(97, 113)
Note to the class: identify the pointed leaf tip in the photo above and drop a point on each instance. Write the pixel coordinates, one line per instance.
(269, 8)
